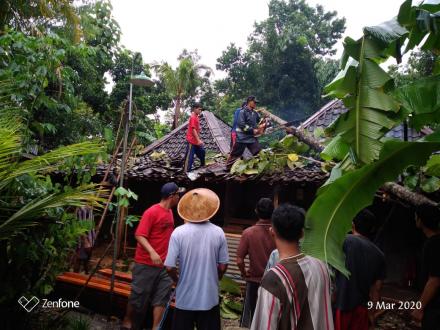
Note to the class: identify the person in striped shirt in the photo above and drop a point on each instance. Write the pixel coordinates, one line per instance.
(295, 293)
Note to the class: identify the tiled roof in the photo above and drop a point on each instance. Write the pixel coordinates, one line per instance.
(216, 135)
(159, 171)
(332, 110)
(214, 132)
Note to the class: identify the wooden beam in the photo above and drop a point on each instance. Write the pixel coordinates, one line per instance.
(276, 196)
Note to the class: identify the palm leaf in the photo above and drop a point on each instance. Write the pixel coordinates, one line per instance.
(29, 214)
(329, 218)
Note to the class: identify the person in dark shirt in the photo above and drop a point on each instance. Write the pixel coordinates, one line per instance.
(258, 243)
(248, 128)
(366, 264)
(234, 125)
(428, 219)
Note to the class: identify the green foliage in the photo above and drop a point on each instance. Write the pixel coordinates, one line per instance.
(181, 83)
(60, 86)
(36, 16)
(37, 229)
(433, 166)
(282, 154)
(101, 35)
(225, 107)
(228, 285)
(284, 64)
(124, 196)
(80, 323)
(44, 89)
(374, 108)
(421, 98)
(130, 220)
(362, 85)
(329, 218)
(420, 64)
(231, 304)
(424, 178)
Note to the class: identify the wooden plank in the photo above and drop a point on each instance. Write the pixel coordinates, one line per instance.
(105, 287)
(94, 279)
(107, 272)
(233, 271)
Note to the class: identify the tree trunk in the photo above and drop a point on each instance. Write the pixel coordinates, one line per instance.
(389, 187)
(177, 112)
(312, 142)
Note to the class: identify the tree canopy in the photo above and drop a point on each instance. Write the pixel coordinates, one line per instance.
(285, 63)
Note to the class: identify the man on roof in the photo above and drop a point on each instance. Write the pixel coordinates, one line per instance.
(234, 124)
(195, 145)
(248, 130)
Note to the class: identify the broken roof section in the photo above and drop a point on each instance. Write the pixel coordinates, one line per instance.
(214, 132)
(216, 135)
(332, 110)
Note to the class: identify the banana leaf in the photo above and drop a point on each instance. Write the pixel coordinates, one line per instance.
(229, 286)
(227, 313)
(361, 86)
(329, 218)
(422, 99)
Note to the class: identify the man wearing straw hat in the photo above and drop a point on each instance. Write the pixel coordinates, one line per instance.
(202, 251)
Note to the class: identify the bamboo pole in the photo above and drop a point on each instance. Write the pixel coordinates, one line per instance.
(110, 197)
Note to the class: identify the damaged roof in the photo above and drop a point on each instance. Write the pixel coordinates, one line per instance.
(214, 132)
(332, 110)
(216, 136)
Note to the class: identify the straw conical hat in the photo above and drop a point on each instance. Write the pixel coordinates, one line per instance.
(198, 205)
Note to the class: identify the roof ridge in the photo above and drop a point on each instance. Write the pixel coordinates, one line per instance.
(213, 124)
(318, 113)
(162, 140)
(214, 127)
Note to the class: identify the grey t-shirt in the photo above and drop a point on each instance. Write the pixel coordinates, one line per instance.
(199, 248)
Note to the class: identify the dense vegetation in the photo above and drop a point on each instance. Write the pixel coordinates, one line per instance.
(376, 104)
(56, 114)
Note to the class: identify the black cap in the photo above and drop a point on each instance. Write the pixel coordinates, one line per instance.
(169, 189)
(196, 105)
(252, 98)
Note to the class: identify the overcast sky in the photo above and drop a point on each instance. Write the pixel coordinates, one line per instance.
(161, 29)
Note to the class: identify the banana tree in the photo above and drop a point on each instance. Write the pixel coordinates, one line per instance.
(374, 107)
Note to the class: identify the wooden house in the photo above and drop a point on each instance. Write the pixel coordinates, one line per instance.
(238, 194)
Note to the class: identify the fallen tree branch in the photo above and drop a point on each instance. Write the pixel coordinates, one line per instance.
(389, 187)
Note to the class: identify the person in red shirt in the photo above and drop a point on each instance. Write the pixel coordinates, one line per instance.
(151, 284)
(195, 143)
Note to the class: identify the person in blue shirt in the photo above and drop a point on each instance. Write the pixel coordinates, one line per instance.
(234, 125)
(201, 250)
(248, 129)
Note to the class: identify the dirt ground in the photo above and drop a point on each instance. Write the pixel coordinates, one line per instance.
(393, 319)
(390, 320)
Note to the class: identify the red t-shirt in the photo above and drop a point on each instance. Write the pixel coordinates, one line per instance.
(156, 226)
(193, 123)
